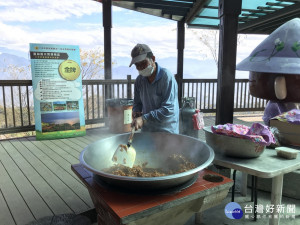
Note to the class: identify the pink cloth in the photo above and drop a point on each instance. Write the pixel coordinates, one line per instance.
(257, 133)
(292, 116)
(274, 108)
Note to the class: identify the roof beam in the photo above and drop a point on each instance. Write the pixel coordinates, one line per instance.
(130, 5)
(211, 7)
(208, 17)
(248, 15)
(195, 10)
(292, 9)
(165, 3)
(173, 12)
(203, 26)
(270, 26)
(270, 8)
(293, 1)
(277, 4)
(163, 7)
(256, 11)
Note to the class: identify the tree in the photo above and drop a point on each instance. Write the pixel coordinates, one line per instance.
(16, 72)
(92, 64)
(210, 39)
(17, 96)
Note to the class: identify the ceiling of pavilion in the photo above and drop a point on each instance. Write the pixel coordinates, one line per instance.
(257, 16)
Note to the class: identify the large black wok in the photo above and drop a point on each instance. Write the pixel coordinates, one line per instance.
(153, 148)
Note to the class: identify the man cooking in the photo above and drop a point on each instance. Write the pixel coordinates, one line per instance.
(155, 106)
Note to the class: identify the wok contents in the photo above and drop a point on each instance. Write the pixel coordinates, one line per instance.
(174, 164)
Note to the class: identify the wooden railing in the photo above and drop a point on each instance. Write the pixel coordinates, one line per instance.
(17, 111)
(205, 93)
(94, 96)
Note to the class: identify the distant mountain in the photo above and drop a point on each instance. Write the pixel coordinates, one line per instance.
(121, 72)
(9, 59)
(193, 68)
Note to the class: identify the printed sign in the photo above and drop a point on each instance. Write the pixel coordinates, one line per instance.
(57, 91)
(127, 116)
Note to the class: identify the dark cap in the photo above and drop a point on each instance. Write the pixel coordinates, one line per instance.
(139, 53)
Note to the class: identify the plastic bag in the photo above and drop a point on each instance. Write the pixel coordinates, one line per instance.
(198, 120)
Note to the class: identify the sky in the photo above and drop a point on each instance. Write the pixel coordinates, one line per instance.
(79, 22)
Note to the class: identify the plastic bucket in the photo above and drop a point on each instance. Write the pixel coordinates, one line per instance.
(119, 114)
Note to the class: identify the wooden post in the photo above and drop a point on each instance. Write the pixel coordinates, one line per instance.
(180, 51)
(129, 91)
(107, 25)
(229, 11)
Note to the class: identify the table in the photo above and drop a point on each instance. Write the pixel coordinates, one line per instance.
(267, 165)
(115, 207)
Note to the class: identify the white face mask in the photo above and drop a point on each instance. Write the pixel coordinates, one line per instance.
(147, 71)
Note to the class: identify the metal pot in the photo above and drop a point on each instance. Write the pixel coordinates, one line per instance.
(232, 146)
(151, 148)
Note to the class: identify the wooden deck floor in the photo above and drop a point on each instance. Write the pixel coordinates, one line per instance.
(36, 178)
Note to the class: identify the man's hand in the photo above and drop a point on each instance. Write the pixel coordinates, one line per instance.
(137, 123)
(136, 114)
